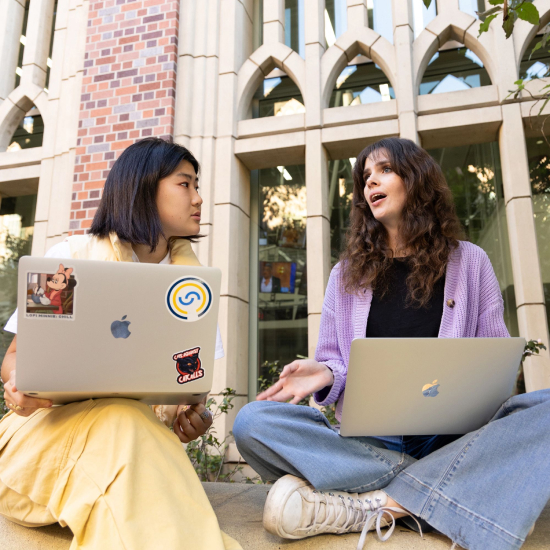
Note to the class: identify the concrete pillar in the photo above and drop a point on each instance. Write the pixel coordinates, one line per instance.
(318, 220)
(53, 208)
(523, 244)
(318, 232)
(37, 47)
(403, 36)
(231, 213)
(357, 14)
(11, 23)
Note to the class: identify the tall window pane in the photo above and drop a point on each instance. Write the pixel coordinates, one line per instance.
(281, 269)
(22, 42)
(340, 197)
(295, 26)
(472, 6)
(474, 175)
(380, 18)
(336, 21)
(538, 152)
(422, 15)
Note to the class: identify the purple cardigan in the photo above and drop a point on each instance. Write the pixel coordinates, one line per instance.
(469, 280)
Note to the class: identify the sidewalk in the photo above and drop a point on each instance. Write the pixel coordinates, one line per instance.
(239, 509)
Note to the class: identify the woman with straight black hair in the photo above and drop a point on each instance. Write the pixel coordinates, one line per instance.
(405, 272)
(108, 468)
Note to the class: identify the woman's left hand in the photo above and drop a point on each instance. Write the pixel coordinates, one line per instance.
(189, 425)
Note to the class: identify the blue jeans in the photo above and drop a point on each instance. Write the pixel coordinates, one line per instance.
(483, 490)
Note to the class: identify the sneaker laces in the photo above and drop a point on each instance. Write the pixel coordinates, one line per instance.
(353, 510)
(374, 519)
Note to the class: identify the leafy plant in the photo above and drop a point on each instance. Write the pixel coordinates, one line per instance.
(207, 453)
(15, 247)
(512, 10)
(532, 347)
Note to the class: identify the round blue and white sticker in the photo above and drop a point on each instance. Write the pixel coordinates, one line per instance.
(189, 299)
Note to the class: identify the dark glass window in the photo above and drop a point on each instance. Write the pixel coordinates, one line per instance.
(454, 70)
(29, 133)
(534, 65)
(281, 269)
(295, 26)
(49, 62)
(359, 84)
(277, 96)
(538, 152)
(18, 71)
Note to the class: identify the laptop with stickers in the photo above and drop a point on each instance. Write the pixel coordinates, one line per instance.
(90, 329)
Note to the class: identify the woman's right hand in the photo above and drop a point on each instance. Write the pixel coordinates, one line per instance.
(18, 402)
(298, 380)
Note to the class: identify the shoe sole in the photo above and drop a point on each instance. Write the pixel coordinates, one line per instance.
(275, 504)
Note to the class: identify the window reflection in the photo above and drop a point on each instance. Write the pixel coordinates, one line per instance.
(282, 289)
(453, 70)
(422, 15)
(472, 6)
(277, 95)
(360, 84)
(336, 20)
(339, 199)
(538, 152)
(380, 18)
(29, 133)
(22, 42)
(474, 175)
(534, 65)
(295, 26)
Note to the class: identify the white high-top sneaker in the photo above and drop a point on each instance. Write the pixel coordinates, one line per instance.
(295, 510)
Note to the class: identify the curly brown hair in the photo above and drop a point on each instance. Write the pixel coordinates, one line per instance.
(429, 230)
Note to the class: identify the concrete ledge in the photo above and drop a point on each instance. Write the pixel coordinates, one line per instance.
(239, 508)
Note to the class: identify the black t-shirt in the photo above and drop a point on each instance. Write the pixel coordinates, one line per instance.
(389, 317)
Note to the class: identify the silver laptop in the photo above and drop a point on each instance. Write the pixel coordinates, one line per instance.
(90, 329)
(427, 386)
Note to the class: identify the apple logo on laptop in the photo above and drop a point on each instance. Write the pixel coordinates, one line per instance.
(430, 390)
(119, 329)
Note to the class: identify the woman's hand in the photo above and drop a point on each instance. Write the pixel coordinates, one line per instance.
(189, 425)
(298, 380)
(18, 402)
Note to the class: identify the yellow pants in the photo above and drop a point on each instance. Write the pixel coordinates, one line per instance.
(110, 471)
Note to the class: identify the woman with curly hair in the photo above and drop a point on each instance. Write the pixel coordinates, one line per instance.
(405, 272)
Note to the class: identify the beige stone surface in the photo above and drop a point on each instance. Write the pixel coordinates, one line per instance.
(239, 508)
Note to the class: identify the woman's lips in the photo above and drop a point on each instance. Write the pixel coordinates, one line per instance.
(196, 217)
(379, 201)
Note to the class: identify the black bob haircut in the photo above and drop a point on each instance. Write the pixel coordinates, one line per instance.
(128, 206)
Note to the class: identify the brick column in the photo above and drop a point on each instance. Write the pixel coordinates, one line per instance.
(128, 90)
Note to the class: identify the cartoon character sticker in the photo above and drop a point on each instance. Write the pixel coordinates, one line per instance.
(51, 295)
(188, 365)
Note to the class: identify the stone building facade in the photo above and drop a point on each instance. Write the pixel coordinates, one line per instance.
(261, 93)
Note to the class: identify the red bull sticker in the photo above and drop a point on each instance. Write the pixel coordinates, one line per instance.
(188, 365)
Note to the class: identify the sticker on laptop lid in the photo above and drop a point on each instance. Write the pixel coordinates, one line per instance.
(188, 365)
(51, 295)
(189, 299)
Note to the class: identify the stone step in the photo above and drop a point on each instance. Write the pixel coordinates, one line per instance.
(239, 508)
